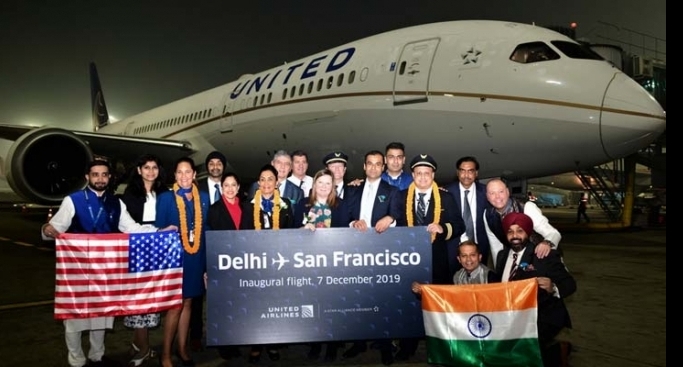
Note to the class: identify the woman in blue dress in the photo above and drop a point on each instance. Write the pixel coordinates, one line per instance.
(186, 207)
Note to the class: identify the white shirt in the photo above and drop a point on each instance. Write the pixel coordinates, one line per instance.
(149, 211)
(62, 220)
(306, 184)
(368, 200)
(508, 264)
(212, 189)
(472, 199)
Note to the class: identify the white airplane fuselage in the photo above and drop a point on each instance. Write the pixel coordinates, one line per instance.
(446, 89)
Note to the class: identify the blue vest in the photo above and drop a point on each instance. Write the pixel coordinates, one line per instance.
(95, 214)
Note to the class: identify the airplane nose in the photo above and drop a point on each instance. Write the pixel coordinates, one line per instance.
(630, 117)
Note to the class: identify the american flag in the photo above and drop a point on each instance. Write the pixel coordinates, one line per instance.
(117, 274)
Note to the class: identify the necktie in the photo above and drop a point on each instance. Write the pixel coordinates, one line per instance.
(216, 194)
(421, 209)
(340, 191)
(366, 205)
(467, 217)
(513, 268)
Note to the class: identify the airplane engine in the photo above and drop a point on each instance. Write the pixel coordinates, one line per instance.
(46, 164)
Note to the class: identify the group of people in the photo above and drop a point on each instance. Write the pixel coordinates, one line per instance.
(469, 223)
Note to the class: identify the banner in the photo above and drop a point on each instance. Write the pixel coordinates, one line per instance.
(482, 324)
(117, 274)
(294, 285)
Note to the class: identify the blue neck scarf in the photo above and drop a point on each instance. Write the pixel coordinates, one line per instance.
(267, 205)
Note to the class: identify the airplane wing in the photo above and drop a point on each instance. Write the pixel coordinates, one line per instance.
(46, 163)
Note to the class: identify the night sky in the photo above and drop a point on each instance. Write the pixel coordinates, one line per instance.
(154, 53)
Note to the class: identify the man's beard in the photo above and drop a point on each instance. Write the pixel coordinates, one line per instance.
(99, 187)
(517, 244)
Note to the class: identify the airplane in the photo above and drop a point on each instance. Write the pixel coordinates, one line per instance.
(525, 100)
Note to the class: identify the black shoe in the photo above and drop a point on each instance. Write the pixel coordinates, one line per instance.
(274, 355)
(229, 351)
(314, 353)
(356, 349)
(402, 355)
(386, 356)
(330, 353)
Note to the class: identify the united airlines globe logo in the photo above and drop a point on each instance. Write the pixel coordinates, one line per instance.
(479, 326)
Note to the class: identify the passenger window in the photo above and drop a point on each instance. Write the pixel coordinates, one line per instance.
(340, 80)
(310, 87)
(320, 85)
(270, 96)
(284, 94)
(402, 68)
(301, 89)
(330, 81)
(352, 76)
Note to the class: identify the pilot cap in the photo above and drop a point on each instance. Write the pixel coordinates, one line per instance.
(215, 155)
(519, 219)
(423, 160)
(335, 157)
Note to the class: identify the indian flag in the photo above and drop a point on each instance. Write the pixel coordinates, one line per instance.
(482, 325)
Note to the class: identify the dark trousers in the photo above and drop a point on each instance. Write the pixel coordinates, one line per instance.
(197, 318)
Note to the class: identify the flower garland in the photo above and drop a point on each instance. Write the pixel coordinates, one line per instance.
(276, 210)
(410, 203)
(180, 203)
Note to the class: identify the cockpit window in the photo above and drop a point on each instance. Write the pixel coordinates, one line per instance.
(528, 53)
(576, 51)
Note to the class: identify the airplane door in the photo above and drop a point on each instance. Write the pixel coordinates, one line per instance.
(411, 78)
(226, 115)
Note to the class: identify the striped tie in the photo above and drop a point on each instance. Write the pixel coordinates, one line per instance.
(421, 209)
(513, 268)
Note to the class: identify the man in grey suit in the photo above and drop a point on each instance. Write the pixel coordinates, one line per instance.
(374, 204)
(467, 190)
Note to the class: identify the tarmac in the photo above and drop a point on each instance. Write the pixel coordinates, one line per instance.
(618, 311)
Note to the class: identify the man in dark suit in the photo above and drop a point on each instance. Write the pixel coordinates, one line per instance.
(374, 204)
(425, 204)
(468, 190)
(518, 261)
(215, 164)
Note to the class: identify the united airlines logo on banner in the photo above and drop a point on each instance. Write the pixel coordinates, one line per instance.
(294, 285)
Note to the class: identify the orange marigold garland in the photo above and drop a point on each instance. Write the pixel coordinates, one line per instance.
(184, 230)
(276, 210)
(410, 203)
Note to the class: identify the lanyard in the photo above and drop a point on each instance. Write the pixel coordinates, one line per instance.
(94, 218)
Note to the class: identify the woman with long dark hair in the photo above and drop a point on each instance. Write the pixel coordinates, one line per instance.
(140, 196)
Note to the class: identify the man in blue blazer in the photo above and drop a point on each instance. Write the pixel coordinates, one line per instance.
(374, 204)
(467, 173)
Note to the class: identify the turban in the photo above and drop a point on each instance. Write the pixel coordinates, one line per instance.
(519, 219)
(215, 155)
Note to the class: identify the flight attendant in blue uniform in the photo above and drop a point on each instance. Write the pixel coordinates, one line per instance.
(186, 207)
